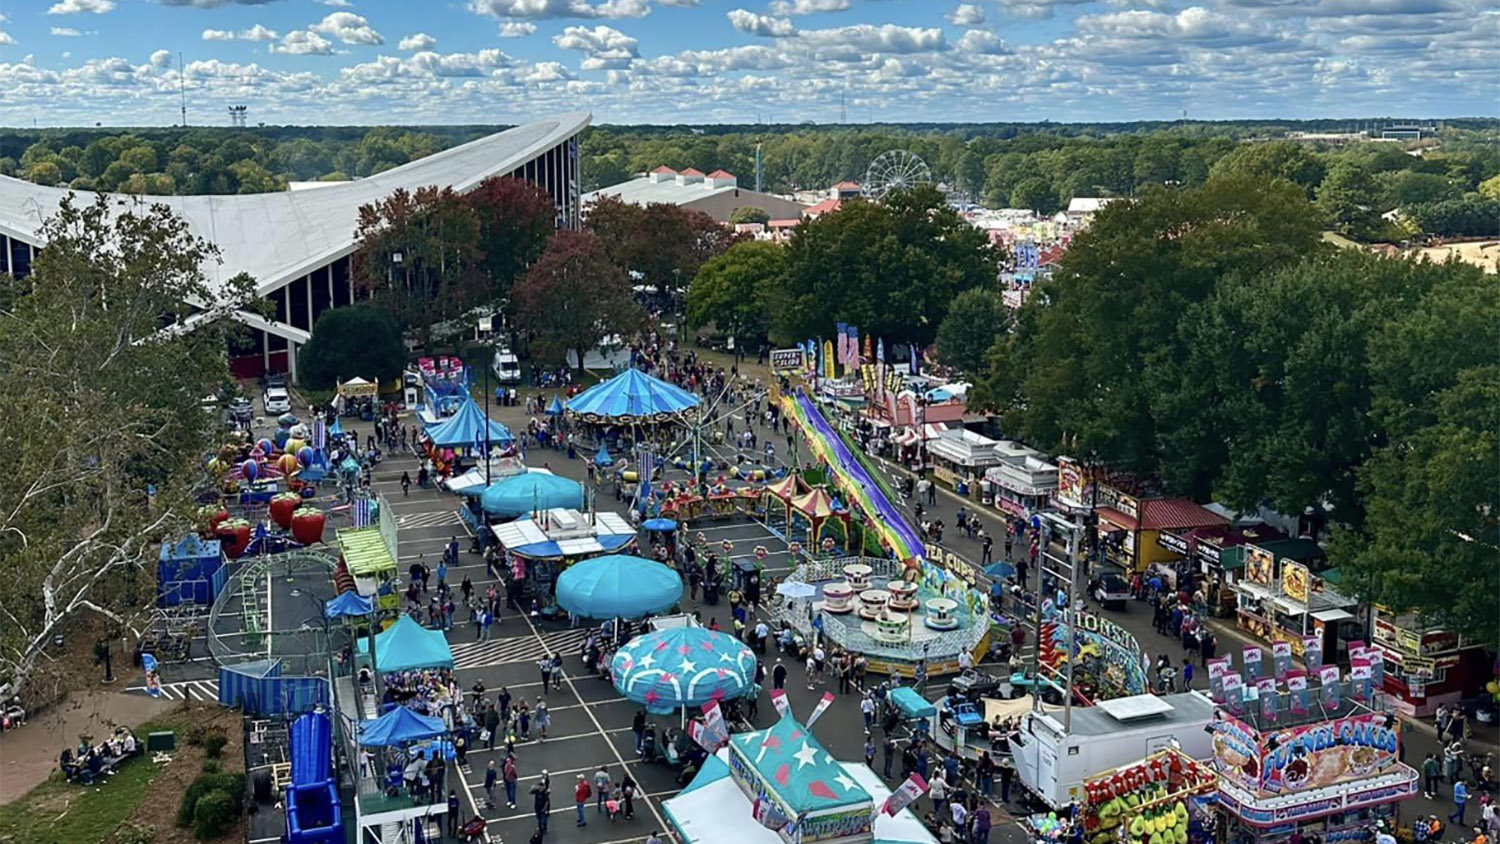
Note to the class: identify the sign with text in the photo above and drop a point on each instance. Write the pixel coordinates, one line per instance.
(788, 360)
(1260, 565)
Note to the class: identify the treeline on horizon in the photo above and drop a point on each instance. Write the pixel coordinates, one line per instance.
(1038, 166)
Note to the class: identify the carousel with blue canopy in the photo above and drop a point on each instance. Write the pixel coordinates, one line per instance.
(534, 491)
(632, 396)
(618, 586)
(681, 667)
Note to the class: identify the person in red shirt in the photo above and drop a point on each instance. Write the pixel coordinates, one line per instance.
(581, 795)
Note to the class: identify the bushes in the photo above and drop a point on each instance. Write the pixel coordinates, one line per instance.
(214, 814)
(213, 744)
(212, 803)
(135, 833)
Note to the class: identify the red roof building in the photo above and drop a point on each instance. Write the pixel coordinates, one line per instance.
(824, 207)
(1130, 528)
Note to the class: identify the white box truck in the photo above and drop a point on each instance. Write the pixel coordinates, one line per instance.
(1052, 762)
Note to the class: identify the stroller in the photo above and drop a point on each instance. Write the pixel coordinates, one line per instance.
(473, 831)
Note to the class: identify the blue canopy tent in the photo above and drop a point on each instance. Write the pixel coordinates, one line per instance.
(350, 603)
(603, 459)
(335, 430)
(618, 586)
(555, 407)
(682, 667)
(659, 524)
(407, 644)
(399, 727)
(466, 427)
(632, 396)
(522, 494)
(258, 688)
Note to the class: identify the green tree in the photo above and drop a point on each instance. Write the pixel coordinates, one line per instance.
(1347, 198)
(975, 321)
(1413, 188)
(892, 268)
(574, 296)
(1035, 194)
(101, 402)
(1488, 189)
(664, 243)
(1074, 370)
(516, 219)
(969, 172)
(419, 254)
(361, 340)
(44, 173)
(1274, 160)
(749, 214)
(1469, 217)
(732, 291)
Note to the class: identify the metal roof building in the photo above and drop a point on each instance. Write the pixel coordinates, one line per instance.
(716, 194)
(297, 244)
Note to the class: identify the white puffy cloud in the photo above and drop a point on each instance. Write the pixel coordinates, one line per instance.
(419, 41)
(428, 65)
(540, 9)
(870, 38)
(604, 48)
(347, 28)
(79, 7)
(65, 32)
(1035, 9)
(218, 35)
(983, 42)
(763, 25)
(517, 29)
(256, 33)
(808, 7)
(159, 59)
(5, 37)
(337, 4)
(302, 42)
(967, 14)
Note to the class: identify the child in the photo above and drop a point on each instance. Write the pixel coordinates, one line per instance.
(525, 717)
(612, 805)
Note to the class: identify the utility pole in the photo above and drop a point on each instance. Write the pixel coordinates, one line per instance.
(486, 377)
(182, 86)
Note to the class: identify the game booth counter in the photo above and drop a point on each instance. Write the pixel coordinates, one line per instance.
(1427, 666)
(1166, 798)
(792, 791)
(1309, 761)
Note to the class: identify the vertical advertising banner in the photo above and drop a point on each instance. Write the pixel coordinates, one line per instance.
(778, 698)
(1281, 659)
(1359, 680)
(1312, 654)
(1296, 687)
(1217, 668)
(1376, 657)
(1251, 655)
(1234, 692)
(1266, 686)
(1330, 692)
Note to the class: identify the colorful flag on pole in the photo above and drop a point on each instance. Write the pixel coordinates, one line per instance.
(869, 353)
(714, 728)
(319, 433)
(1296, 687)
(880, 350)
(778, 699)
(1330, 677)
(153, 678)
(841, 351)
(818, 710)
(1281, 659)
(854, 345)
(643, 469)
(903, 796)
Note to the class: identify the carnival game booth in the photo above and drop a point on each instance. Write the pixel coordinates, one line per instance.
(1022, 483)
(1283, 595)
(1166, 798)
(467, 429)
(445, 386)
(1427, 666)
(539, 547)
(357, 397)
(368, 556)
(960, 457)
(408, 645)
(791, 790)
(1308, 760)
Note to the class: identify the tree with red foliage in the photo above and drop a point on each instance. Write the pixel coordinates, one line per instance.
(574, 296)
(516, 219)
(665, 243)
(437, 276)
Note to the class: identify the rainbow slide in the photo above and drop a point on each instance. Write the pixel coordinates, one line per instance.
(853, 479)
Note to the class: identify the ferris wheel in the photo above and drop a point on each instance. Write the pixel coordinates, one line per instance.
(895, 170)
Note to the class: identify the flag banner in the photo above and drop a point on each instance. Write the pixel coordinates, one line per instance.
(643, 468)
(1251, 655)
(867, 374)
(880, 350)
(869, 353)
(1296, 686)
(778, 699)
(818, 710)
(153, 677)
(1217, 668)
(915, 366)
(1312, 654)
(1234, 692)
(841, 352)
(854, 356)
(319, 434)
(1266, 687)
(830, 363)
(1330, 678)
(1281, 659)
(768, 814)
(1376, 657)
(904, 795)
(1359, 679)
(362, 512)
(714, 727)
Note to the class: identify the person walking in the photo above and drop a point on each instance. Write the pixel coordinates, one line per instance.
(541, 802)
(1007, 775)
(405, 484)
(1460, 801)
(542, 718)
(778, 675)
(453, 813)
(602, 788)
(1432, 774)
(937, 789)
(491, 727)
(638, 725)
(510, 780)
(869, 751)
(981, 823)
(490, 776)
(984, 774)
(581, 795)
(888, 750)
(628, 790)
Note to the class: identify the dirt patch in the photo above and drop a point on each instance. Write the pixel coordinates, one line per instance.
(31, 751)
(159, 809)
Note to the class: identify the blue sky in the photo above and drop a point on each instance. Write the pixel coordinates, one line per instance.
(115, 62)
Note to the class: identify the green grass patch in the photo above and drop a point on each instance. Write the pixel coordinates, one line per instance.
(57, 812)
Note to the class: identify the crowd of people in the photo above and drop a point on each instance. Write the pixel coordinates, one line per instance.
(88, 762)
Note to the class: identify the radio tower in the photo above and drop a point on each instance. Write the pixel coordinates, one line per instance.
(237, 116)
(182, 86)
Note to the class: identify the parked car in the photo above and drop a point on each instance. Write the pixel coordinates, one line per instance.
(1111, 591)
(277, 401)
(240, 410)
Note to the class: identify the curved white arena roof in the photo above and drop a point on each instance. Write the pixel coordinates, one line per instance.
(278, 237)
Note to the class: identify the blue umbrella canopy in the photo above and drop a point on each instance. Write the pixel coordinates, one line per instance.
(683, 667)
(618, 586)
(999, 571)
(335, 430)
(659, 524)
(521, 494)
(603, 458)
(555, 407)
(397, 727)
(466, 427)
(632, 395)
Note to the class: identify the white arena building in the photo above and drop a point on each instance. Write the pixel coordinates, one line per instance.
(297, 244)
